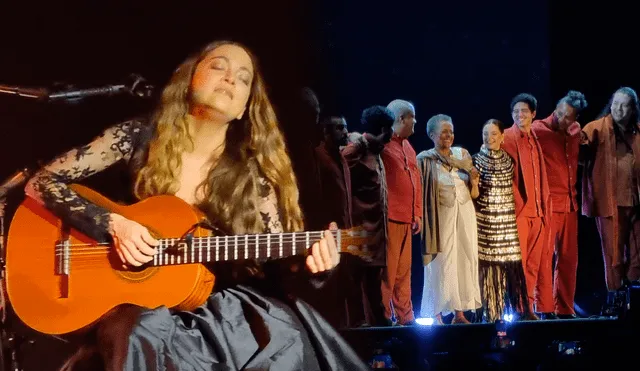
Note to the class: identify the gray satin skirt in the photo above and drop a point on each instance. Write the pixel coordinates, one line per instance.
(236, 329)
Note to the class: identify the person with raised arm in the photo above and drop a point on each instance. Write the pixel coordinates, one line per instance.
(559, 135)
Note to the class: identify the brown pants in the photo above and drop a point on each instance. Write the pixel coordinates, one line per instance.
(532, 234)
(557, 287)
(396, 280)
(620, 240)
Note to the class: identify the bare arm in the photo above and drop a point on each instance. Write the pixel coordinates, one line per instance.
(475, 191)
(354, 151)
(474, 176)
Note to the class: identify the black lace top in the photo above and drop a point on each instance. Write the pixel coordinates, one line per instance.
(123, 142)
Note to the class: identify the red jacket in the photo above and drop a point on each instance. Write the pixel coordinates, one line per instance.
(523, 188)
(404, 189)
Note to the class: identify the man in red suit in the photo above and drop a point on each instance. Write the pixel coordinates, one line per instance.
(530, 188)
(404, 197)
(559, 135)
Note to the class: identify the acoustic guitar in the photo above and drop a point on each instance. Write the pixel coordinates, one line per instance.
(59, 280)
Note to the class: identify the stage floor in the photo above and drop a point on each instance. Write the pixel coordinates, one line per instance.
(582, 344)
(522, 345)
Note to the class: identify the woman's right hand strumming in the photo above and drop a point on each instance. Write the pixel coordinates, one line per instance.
(132, 241)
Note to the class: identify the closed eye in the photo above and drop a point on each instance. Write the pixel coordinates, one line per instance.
(245, 79)
(218, 64)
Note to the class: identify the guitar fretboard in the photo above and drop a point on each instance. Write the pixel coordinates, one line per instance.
(223, 248)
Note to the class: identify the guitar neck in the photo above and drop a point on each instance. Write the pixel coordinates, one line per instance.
(191, 250)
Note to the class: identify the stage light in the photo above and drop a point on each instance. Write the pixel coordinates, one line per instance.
(424, 321)
(508, 317)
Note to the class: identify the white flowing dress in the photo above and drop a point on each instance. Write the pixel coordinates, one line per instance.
(451, 280)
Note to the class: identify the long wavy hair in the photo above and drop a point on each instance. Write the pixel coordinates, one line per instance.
(254, 148)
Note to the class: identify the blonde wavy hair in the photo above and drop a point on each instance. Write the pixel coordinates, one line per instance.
(254, 148)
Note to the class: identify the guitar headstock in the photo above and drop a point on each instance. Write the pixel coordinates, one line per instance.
(357, 241)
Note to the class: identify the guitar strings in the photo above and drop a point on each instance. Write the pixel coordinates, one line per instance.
(96, 258)
(198, 242)
(239, 251)
(88, 260)
(87, 255)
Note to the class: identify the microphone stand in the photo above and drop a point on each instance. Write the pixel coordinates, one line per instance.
(10, 342)
(135, 85)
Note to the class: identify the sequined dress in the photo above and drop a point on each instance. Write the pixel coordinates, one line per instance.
(502, 282)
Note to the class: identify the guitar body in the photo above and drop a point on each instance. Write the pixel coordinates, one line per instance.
(55, 303)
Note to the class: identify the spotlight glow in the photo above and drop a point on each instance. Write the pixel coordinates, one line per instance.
(424, 321)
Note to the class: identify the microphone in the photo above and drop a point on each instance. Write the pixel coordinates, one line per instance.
(15, 180)
(107, 90)
(137, 86)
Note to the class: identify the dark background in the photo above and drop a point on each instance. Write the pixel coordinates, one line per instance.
(466, 59)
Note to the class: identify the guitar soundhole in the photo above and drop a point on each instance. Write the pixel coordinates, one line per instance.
(137, 273)
(135, 269)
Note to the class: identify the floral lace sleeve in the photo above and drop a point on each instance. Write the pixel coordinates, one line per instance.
(49, 185)
(269, 208)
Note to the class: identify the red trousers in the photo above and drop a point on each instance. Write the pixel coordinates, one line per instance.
(620, 239)
(557, 286)
(396, 280)
(532, 235)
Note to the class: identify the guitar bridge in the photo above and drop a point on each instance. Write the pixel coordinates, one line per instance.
(62, 262)
(62, 257)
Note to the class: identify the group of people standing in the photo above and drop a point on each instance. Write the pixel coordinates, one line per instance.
(499, 228)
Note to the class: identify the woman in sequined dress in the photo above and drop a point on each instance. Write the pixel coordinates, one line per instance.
(502, 282)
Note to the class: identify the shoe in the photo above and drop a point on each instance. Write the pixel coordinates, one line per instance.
(616, 300)
(548, 316)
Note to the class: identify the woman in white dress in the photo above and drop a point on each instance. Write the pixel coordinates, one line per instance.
(449, 233)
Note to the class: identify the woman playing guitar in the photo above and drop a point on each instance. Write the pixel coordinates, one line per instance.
(213, 142)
